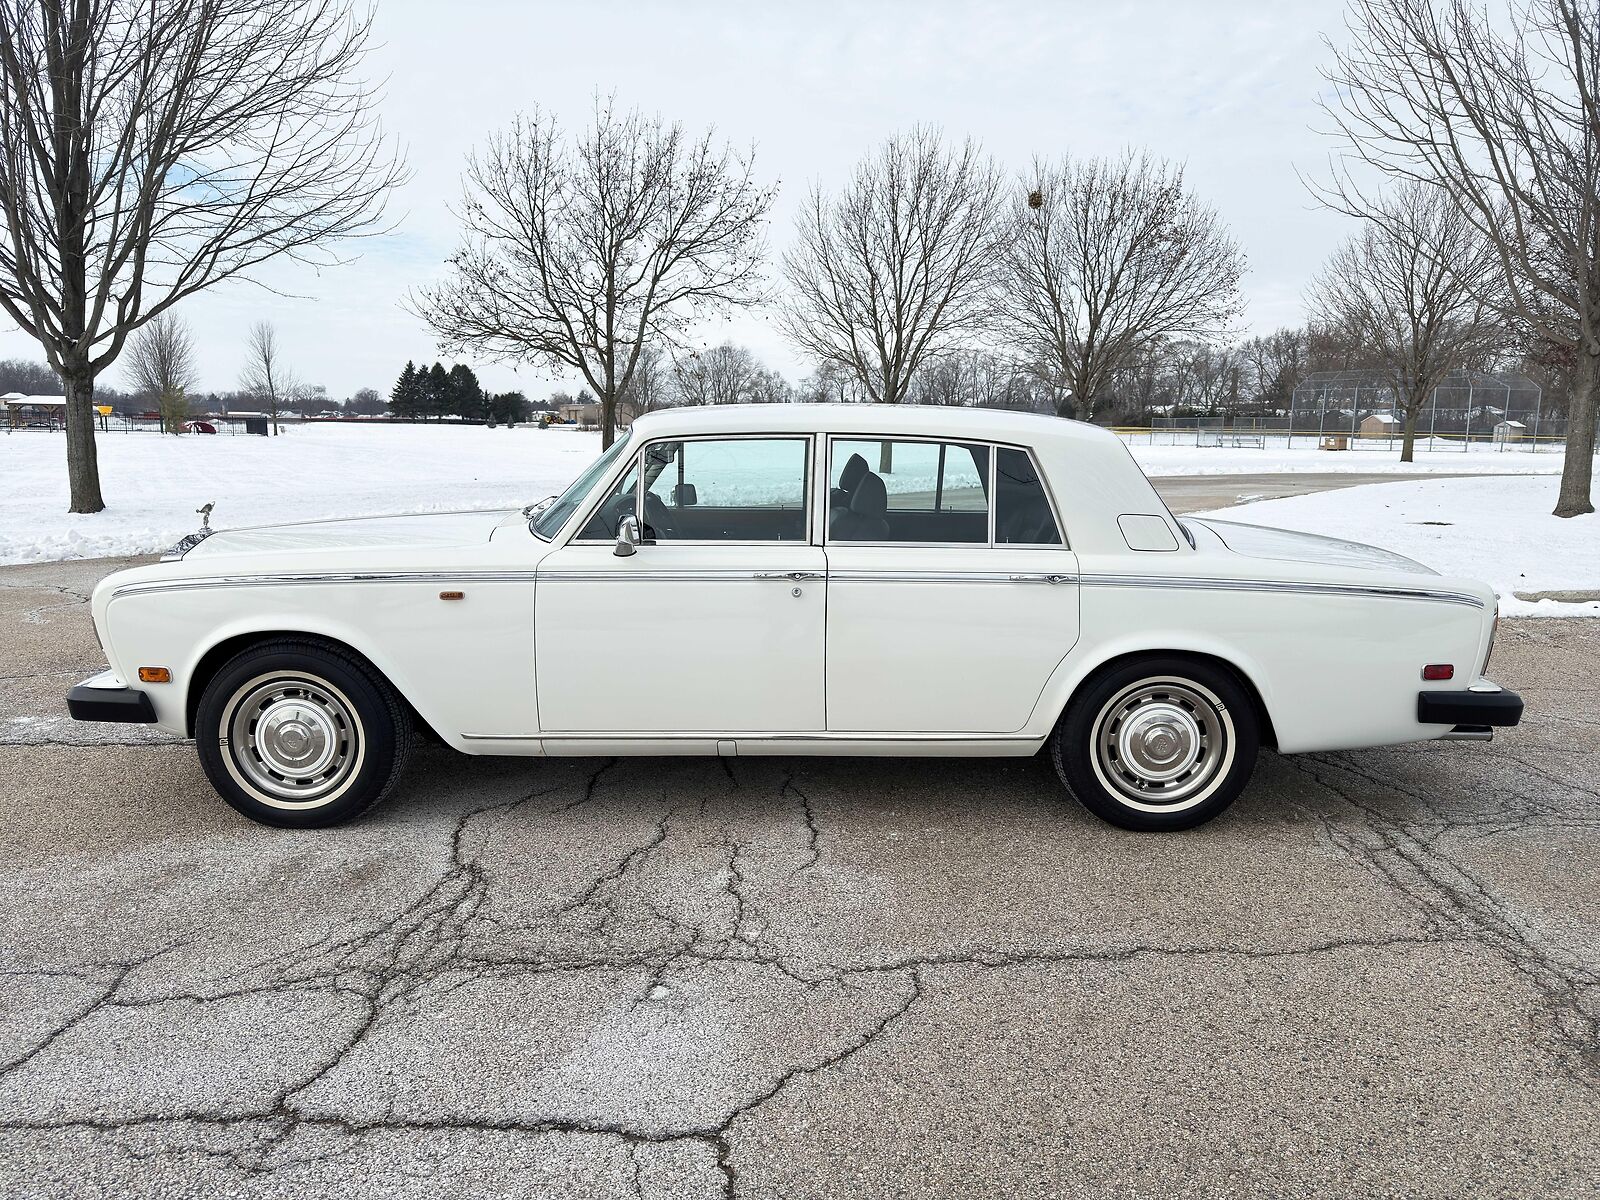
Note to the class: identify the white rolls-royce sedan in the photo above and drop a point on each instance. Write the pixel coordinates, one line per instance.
(798, 579)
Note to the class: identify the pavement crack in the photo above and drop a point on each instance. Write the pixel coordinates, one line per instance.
(1459, 905)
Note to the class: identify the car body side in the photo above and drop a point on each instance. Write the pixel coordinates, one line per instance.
(1333, 651)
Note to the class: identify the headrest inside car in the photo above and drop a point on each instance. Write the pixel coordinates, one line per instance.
(871, 498)
(854, 468)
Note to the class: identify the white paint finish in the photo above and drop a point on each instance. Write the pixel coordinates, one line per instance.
(1147, 533)
(366, 533)
(681, 638)
(943, 640)
(1333, 671)
(464, 665)
(902, 650)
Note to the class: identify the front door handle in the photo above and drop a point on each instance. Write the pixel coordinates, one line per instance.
(1044, 579)
(791, 576)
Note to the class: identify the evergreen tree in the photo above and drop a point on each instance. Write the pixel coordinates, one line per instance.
(465, 397)
(403, 400)
(509, 408)
(437, 391)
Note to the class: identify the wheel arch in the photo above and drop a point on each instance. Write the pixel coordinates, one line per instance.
(1111, 662)
(225, 649)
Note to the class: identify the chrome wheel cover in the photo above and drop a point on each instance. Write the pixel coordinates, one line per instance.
(1162, 744)
(292, 740)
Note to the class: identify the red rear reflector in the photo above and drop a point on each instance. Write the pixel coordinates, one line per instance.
(1439, 671)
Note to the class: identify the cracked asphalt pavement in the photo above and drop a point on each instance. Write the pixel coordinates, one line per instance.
(1377, 974)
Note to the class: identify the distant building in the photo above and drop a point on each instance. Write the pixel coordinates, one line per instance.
(585, 416)
(40, 412)
(1380, 425)
(1510, 431)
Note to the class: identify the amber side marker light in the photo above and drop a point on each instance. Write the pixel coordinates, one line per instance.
(1439, 671)
(452, 595)
(154, 675)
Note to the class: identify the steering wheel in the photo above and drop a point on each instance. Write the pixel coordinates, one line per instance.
(658, 519)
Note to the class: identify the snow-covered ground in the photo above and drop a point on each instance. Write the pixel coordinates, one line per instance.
(154, 483)
(1498, 528)
(1495, 529)
(1277, 457)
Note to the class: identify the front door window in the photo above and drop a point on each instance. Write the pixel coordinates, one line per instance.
(712, 490)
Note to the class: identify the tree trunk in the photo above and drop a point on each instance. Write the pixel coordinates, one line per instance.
(83, 463)
(608, 420)
(1577, 469)
(1408, 444)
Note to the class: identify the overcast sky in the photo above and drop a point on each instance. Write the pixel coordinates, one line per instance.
(1227, 88)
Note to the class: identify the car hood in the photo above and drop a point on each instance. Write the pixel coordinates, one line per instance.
(1261, 541)
(363, 533)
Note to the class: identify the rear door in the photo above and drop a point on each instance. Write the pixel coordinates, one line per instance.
(952, 595)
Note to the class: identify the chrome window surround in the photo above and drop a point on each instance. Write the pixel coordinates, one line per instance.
(994, 459)
(638, 503)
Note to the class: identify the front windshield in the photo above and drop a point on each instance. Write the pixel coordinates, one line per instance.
(546, 523)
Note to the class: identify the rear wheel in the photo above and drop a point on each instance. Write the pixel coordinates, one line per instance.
(1158, 743)
(301, 734)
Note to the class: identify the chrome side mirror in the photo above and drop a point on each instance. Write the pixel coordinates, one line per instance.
(627, 537)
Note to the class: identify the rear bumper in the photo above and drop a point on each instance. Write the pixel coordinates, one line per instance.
(126, 705)
(1474, 707)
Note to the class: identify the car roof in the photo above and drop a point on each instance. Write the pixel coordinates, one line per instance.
(986, 424)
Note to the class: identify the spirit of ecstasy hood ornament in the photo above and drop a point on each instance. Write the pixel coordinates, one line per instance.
(189, 541)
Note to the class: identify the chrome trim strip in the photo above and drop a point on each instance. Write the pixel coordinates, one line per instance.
(1381, 591)
(994, 448)
(939, 577)
(643, 576)
(1179, 583)
(292, 580)
(567, 736)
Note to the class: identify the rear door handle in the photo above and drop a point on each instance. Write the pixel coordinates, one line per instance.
(1044, 579)
(791, 576)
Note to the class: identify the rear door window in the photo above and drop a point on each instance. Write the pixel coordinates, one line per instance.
(930, 493)
(1022, 515)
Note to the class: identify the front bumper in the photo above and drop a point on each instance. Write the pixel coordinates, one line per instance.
(105, 698)
(1481, 706)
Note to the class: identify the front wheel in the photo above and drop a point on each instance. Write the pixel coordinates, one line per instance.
(301, 734)
(1158, 743)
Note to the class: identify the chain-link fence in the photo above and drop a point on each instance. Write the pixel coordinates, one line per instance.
(1358, 410)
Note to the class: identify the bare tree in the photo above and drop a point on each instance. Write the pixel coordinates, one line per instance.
(901, 265)
(580, 252)
(1502, 114)
(149, 149)
(160, 363)
(267, 379)
(1274, 363)
(650, 388)
(1414, 287)
(724, 374)
(1110, 257)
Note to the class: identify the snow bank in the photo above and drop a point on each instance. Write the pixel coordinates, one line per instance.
(1496, 529)
(153, 483)
(1499, 529)
(1277, 457)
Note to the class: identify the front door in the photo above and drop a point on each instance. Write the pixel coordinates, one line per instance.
(715, 625)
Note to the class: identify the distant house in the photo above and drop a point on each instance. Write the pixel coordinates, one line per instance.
(1380, 425)
(584, 416)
